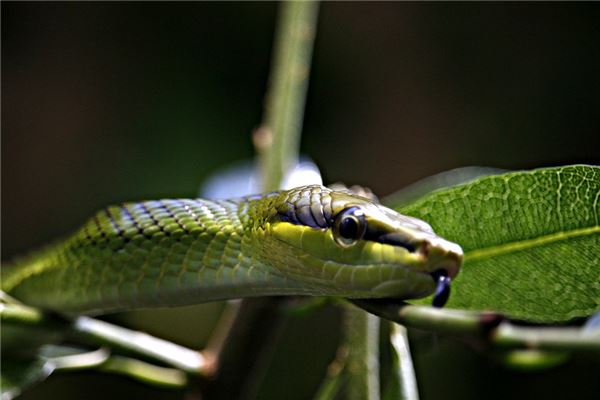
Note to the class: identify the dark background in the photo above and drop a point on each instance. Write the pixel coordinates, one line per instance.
(106, 102)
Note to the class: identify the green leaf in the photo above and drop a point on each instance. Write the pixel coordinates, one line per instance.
(531, 241)
(533, 360)
(444, 179)
(18, 375)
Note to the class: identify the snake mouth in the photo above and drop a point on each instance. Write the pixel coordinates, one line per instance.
(396, 239)
(442, 255)
(451, 255)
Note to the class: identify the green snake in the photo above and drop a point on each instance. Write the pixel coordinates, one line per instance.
(309, 240)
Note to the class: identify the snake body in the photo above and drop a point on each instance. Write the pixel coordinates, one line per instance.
(306, 241)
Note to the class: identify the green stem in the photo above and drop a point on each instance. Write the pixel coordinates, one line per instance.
(404, 380)
(334, 379)
(362, 365)
(106, 334)
(247, 349)
(278, 138)
(22, 315)
(79, 361)
(546, 338)
(486, 326)
(454, 322)
(116, 337)
(144, 372)
(102, 360)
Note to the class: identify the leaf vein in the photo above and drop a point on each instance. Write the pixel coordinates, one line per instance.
(511, 247)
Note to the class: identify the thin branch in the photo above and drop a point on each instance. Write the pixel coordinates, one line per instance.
(214, 348)
(144, 372)
(362, 365)
(489, 327)
(454, 322)
(278, 138)
(404, 380)
(247, 348)
(546, 338)
(80, 360)
(334, 379)
(105, 334)
(102, 360)
(25, 316)
(140, 343)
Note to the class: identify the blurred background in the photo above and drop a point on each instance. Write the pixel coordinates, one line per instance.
(107, 102)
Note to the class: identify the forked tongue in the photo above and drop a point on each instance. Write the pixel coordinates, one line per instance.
(442, 289)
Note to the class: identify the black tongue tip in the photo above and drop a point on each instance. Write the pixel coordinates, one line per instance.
(442, 289)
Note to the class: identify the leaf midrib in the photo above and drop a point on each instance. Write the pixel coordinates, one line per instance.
(512, 247)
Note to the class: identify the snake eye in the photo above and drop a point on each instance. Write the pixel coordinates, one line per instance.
(349, 226)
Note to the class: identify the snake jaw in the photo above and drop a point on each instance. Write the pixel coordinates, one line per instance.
(442, 255)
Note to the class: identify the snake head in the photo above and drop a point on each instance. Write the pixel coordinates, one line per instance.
(351, 246)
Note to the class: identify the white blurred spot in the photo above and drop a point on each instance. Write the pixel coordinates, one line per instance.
(242, 179)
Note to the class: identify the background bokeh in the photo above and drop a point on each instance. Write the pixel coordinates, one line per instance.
(107, 102)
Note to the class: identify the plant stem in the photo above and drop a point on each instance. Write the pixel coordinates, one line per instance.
(545, 338)
(362, 365)
(486, 326)
(334, 379)
(278, 138)
(147, 373)
(454, 322)
(102, 360)
(247, 349)
(403, 371)
(103, 333)
(140, 343)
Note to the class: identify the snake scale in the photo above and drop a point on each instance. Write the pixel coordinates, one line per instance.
(309, 240)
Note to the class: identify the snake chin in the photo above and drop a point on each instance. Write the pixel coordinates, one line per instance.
(420, 285)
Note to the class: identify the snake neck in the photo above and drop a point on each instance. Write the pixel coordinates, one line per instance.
(155, 253)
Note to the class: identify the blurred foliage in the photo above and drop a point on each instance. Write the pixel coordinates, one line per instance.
(106, 102)
(21, 374)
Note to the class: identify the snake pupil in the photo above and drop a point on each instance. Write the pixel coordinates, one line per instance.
(349, 228)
